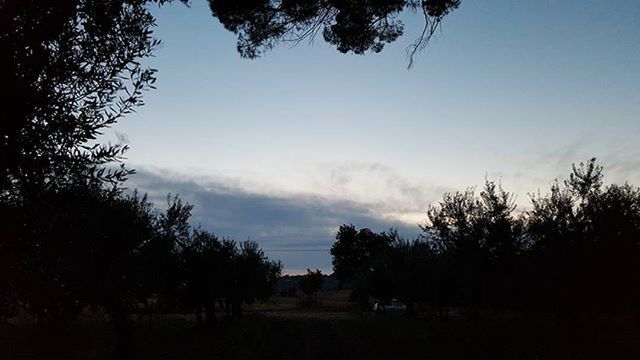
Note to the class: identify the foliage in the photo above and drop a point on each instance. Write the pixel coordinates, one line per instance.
(215, 271)
(586, 235)
(74, 68)
(574, 250)
(90, 245)
(350, 26)
(311, 282)
(360, 256)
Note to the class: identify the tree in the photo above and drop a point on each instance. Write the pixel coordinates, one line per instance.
(351, 26)
(384, 265)
(73, 68)
(160, 258)
(453, 229)
(254, 277)
(354, 249)
(478, 240)
(584, 240)
(611, 266)
(311, 283)
(501, 235)
(81, 247)
(360, 258)
(413, 270)
(201, 270)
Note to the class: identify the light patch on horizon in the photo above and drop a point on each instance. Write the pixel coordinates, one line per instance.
(389, 195)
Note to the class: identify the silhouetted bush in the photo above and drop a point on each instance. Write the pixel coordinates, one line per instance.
(311, 283)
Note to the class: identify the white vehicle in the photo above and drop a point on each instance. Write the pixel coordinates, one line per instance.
(393, 306)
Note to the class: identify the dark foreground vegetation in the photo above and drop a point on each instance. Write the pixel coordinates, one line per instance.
(489, 336)
(87, 246)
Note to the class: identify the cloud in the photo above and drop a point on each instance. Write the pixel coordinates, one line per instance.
(277, 222)
(395, 196)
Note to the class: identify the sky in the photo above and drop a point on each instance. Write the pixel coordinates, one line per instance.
(284, 149)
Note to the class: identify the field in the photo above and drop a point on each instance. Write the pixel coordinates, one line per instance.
(286, 328)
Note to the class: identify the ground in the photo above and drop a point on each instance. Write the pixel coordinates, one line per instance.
(288, 328)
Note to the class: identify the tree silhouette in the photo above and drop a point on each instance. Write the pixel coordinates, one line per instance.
(311, 283)
(224, 272)
(572, 253)
(354, 255)
(256, 275)
(478, 239)
(73, 69)
(585, 242)
(413, 271)
(453, 228)
(351, 26)
(80, 247)
(502, 238)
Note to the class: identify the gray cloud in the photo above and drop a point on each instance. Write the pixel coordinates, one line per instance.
(298, 222)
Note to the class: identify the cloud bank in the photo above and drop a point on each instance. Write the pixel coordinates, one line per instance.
(278, 222)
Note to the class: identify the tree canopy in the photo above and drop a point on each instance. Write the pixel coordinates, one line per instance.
(351, 26)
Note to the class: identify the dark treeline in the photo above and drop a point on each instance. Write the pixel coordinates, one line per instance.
(576, 250)
(86, 245)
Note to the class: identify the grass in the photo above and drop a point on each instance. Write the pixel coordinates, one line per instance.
(284, 328)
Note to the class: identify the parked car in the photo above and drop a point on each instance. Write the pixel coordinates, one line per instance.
(391, 306)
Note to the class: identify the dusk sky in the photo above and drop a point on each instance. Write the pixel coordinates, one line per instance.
(286, 148)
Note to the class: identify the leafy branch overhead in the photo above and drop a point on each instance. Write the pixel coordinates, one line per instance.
(351, 26)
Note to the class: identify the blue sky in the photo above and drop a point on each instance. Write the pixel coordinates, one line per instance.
(285, 148)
